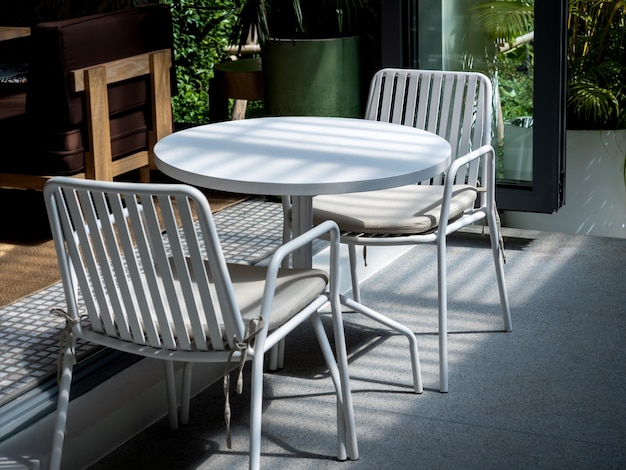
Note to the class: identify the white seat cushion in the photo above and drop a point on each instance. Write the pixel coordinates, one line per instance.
(411, 209)
(295, 289)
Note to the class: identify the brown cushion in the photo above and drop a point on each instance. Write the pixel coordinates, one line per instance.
(12, 105)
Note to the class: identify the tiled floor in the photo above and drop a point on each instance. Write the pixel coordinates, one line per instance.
(549, 395)
(29, 333)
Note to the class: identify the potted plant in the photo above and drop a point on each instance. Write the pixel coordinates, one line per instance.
(310, 52)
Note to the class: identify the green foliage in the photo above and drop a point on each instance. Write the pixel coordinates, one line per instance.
(504, 20)
(596, 64)
(596, 55)
(515, 82)
(201, 31)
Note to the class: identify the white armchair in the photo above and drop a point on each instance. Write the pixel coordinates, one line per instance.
(154, 283)
(456, 106)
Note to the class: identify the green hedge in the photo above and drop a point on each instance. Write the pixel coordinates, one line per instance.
(201, 31)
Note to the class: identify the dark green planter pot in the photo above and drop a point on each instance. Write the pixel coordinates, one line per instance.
(317, 77)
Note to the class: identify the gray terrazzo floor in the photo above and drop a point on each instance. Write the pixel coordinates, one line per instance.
(548, 395)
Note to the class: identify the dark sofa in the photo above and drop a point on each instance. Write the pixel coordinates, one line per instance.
(43, 127)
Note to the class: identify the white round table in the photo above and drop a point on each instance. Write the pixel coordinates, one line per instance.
(301, 157)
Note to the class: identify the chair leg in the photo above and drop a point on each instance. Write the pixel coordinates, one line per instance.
(62, 408)
(354, 277)
(357, 306)
(281, 353)
(347, 446)
(144, 174)
(256, 410)
(494, 235)
(273, 361)
(277, 356)
(186, 393)
(277, 353)
(170, 385)
(399, 327)
(443, 313)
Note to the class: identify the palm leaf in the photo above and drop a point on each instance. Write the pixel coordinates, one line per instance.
(590, 102)
(504, 20)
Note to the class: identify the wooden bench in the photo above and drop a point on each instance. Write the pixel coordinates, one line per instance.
(99, 163)
(98, 99)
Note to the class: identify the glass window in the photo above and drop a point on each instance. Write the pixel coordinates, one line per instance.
(521, 47)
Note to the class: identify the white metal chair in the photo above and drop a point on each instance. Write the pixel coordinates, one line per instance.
(456, 106)
(156, 284)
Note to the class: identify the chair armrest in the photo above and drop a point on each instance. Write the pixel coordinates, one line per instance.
(326, 230)
(485, 152)
(314, 233)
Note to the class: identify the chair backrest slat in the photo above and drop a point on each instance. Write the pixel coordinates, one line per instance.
(423, 99)
(121, 210)
(136, 247)
(229, 312)
(455, 108)
(454, 105)
(109, 250)
(75, 272)
(411, 102)
(397, 111)
(84, 262)
(174, 299)
(468, 117)
(150, 287)
(147, 271)
(213, 316)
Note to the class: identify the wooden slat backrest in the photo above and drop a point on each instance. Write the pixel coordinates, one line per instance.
(94, 80)
(99, 163)
(143, 265)
(454, 105)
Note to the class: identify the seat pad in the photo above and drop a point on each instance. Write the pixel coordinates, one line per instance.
(295, 289)
(411, 209)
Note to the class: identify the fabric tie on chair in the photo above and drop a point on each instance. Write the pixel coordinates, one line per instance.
(253, 328)
(67, 341)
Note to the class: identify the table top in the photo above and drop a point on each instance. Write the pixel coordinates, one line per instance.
(13, 32)
(301, 156)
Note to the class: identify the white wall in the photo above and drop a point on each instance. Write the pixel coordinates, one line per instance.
(595, 190)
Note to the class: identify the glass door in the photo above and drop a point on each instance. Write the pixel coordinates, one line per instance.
(521, 47)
